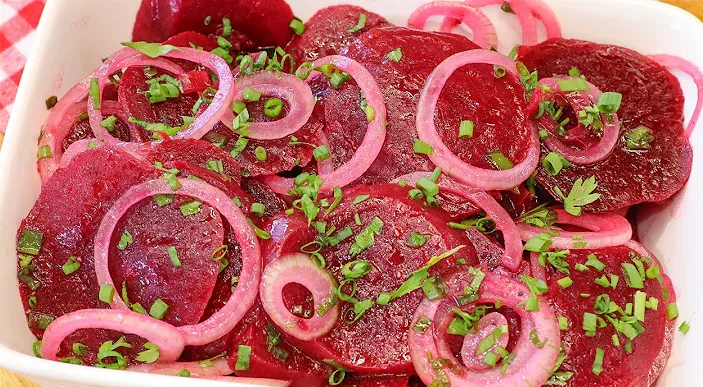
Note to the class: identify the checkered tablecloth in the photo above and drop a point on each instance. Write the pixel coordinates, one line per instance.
(18, 21)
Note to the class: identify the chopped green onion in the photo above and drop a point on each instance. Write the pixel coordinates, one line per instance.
(95, 92)
(421, 147)
(173, 256)
(395, 55)
(500, 161)
(107, 293)
(356, 269)
(554, 163)
(672, 311)
(72, 264)
(191, 208)
(632, 276)
(273, 107)
(416, 240)
(30, 242)
(250, 94)
(563, 323)
(684, 327)
(568, 85)
(639, 138)
(422, 324)
(466, 129)
(226, 27)
(243, 358)
(598, 361)
(565, 282)
(434, 288)
(609, 102)
(44, 152)
(258, 209)
(321, 153)
(158, 309)
(360, 24)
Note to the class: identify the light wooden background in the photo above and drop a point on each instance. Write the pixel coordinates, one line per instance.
(9, 379)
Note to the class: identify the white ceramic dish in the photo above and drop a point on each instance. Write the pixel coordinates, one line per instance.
(74, 34)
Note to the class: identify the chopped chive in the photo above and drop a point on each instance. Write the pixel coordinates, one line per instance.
(321, 153)
(563, 323)
(360, 24)
(44, 152)
(95, 92)
(422, 324)
(422, 147)
(466, 129)
(158, 309)
(297, 26)
(191, 208)
(598, 361)
(416, 240)
(609, 102)
(30, 242)
(106, 294)
(554, 163)
(395, 55)
(568, 85)
(565, 282)
(260, 153)
(173, 256)
(250, 94)
(500, 161)
(360, 198)
(594, 262)
(226, 27)
(684, 327)
(632, 276)
(258, 209)
(672, 311)
(273, 107)
(163, 199)
(243, 358)
(72, 264)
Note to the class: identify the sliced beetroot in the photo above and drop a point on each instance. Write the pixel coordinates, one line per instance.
(261, 193)
(619, 367)
(356, 380)
(190, 39)
(68, 212)
(651, 97)
(198, 153)
(136, 104)
(82, 130)
(281, 155)
(146, 269)
(273, 357)
(494, 104)
(265, 22)
(327, 32)
(377, 342)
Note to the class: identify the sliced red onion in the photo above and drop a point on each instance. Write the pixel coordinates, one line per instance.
(444, 158)
(674, 62)
(485, 327)
(167, 337)
(58, 125)
(299, 268)
(484, 32)
(202, 124)
(526, 11)
(219, 367)
(531, 366)
(512, 255)
(579, 100)
(373, 139)
(606, 229)
(244, 295)
(77, 148)
(285, 86)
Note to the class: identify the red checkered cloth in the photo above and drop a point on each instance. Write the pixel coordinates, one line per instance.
(18, 20)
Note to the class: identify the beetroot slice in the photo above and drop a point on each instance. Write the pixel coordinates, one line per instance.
(494, 104)
(137, 105)
(81, 130)
(197, 153)
(393, 260)
(280, 154)
(619, 368)
(145, 266)
(94, 180)
(327, 32)
(651, 97)
(265, 22)
(256, 332)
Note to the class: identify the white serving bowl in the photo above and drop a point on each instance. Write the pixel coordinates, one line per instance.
(74, 34)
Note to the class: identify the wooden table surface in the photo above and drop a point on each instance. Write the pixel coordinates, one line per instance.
(9, 379)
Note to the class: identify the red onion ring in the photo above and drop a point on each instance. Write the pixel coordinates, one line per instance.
(531, 366)
(607, 229)
(287, 87)
(77, 148)
(373, 139)
(169, 340)
(485, 327)
(219, 367)
(298, 268)
(674, 62)
(579, 100)
(484, 32)
(536, 8)
(202, 124)
(441, 155)
(512, 255)
(58, 125)
(244, 295)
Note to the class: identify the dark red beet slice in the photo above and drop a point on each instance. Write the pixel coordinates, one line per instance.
(354, 380)
(377, 342)
(651, 97)
(267, 360)
(92, 183)
(196, 153)
(265, 22)
(146, 269)
(82, 130)
(475, 91)
(280, 154)
(327, 32)
(261, 193)
(619, 368)
(137, 105)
